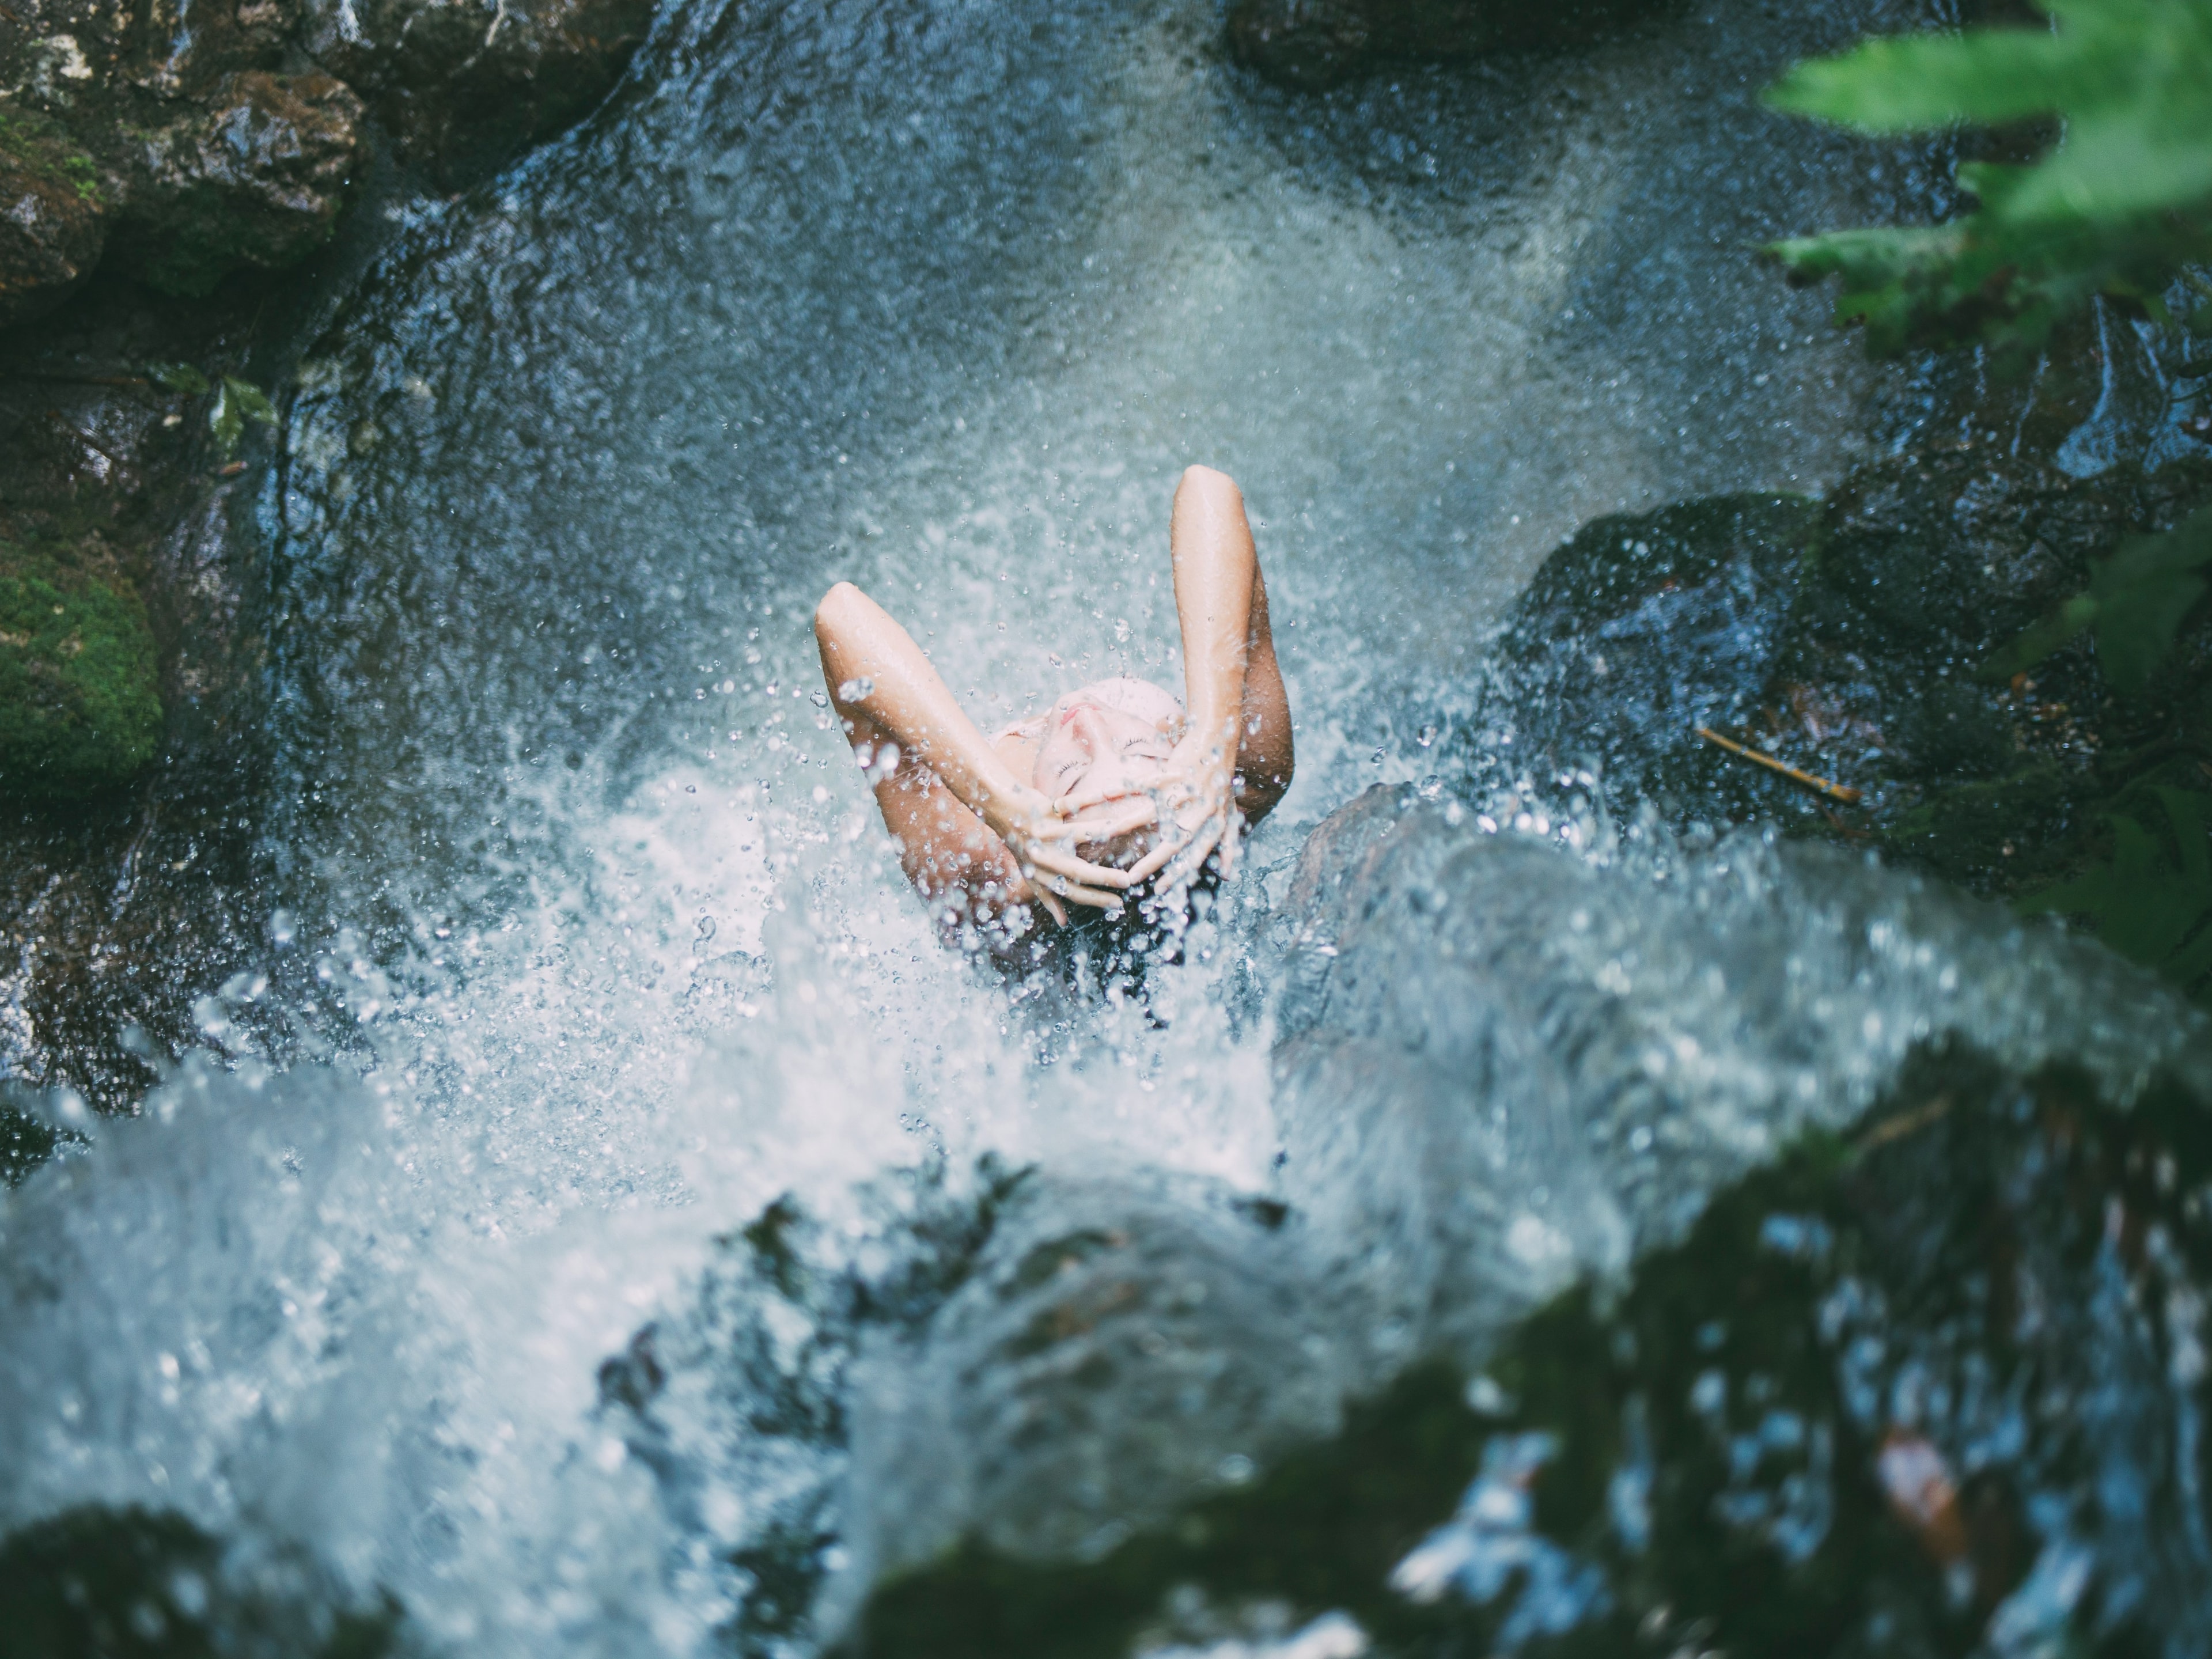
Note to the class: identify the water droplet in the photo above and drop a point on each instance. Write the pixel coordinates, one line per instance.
(1428, 736)
(854, 690)
(821, 699)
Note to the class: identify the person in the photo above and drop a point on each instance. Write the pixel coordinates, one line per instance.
(1117, 785)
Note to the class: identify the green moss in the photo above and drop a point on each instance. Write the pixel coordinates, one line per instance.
(80, 708)
(42, 145)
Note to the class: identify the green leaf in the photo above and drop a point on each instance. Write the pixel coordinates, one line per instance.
(253, 402)
(177, 377)
(2152, 903)
(236, 403)
(2040, 641)
(2137, 628)
(2143, 593)
(2121, 207)
(2137, 600)
(1911, 83)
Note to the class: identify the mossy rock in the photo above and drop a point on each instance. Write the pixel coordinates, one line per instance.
(80, 703)
(55, 228)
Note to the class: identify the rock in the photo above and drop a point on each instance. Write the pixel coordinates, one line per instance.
(80, 707)
(1645, 626)
(1847, 639)
(52, 216)
(115, 1579)
(1314, 44)
(459, 82)
(174, 129)
(255, 176)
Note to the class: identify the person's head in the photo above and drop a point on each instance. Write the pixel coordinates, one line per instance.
(1115, 735)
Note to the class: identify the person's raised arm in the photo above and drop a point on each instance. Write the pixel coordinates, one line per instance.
(1215, 567)
(1237, 751)
(883, 686)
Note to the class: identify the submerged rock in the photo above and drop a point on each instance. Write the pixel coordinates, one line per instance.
(1314, 44)
(80, 708)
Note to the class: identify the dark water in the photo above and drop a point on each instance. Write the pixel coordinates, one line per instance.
(638, 1031)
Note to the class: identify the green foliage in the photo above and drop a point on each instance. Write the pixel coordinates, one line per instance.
(2121, 207)
(181, 377)
(2152, 902)
(79, 705)
(236, 403)
(2135, 601)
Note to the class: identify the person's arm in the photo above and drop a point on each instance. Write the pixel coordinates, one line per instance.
(1236, 752)
(884, 688)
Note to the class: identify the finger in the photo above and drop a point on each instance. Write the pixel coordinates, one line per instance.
(1193, 860)
(1136, 816)
(1076, 800)
(1159, 855)
(1065, 864)
(1112, 902)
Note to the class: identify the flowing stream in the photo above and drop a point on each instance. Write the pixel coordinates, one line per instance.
(589, 947)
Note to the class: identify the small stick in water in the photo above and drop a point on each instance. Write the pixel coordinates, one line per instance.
(1850, 797)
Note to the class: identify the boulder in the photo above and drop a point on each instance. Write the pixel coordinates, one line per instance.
(1850, 641)
(462, 82)
(1314, 44)
(80, 704)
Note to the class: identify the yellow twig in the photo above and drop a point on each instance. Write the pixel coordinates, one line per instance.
(1849, 796)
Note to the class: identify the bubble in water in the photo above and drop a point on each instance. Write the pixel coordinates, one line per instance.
(852, 690)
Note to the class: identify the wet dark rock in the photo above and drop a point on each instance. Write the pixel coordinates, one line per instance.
(1119, 1347)
(1848, 642)
(1314, 44)
(1928, 1388)
(1645, 626)
(53, 212)
(256, 176)
(199, 157)
(137, 1583)
(117, 892)
(457, 81)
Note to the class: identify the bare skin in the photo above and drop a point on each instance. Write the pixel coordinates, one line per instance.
(967, 812)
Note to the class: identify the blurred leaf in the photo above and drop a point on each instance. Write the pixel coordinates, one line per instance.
(2137, 600)
(2144, 593)
(2154, 896)
(2040, 641)
(177, 377)
(2121, 208)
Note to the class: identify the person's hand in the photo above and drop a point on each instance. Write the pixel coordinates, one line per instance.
(1042, 840)
(1192, 802)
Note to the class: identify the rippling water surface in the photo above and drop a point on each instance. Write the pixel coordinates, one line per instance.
(940, 298)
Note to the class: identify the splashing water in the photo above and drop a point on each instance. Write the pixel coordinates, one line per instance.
(919, 296)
